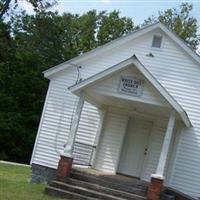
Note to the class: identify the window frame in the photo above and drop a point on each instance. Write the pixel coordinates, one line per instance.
(162, 41)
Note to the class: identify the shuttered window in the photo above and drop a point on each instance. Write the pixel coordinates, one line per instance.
(157, 40)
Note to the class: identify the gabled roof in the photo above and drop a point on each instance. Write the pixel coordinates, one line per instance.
(133, 60)
(120, 41)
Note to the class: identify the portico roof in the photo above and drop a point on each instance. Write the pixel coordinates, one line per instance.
(133, 60)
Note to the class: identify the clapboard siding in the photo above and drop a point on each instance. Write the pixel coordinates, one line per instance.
(173, 68)
(111, 140)
(88, 125)
(56, 122)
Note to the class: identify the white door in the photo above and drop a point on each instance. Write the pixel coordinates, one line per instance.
(134, 147)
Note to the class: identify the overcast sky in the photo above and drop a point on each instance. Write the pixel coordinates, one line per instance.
(137, 10)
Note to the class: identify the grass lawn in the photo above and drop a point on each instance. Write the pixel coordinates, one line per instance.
(14, 184)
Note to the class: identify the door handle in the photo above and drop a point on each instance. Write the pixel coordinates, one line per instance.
(145, 151)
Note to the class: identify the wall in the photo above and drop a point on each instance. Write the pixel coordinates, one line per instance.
(172, 67)
(56, 121)
(111, 141)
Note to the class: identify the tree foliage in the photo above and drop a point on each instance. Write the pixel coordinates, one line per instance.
(29, 44)
(38, 5)
(109, 23)
(180, 22)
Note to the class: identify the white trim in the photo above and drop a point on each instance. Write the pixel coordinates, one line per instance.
(157, 176)
(71, 139)
(100, 76)
(40, 124)
(114, 69)
(166, 145)
(120, 41)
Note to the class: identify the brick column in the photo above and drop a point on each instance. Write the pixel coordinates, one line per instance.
(64, 166)
(154, 189)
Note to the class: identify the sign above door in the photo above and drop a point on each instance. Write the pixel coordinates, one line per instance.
(131, 86)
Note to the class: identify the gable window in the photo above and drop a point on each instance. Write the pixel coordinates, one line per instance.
(157, 41)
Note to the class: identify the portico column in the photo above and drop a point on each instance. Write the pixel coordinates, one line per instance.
(66, 160)
(156, 184)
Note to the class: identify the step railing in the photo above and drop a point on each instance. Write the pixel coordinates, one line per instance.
(83, 153)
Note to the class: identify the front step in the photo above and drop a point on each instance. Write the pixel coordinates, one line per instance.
(87, 189)
(52, 191)
(85, 185)
(85, 192)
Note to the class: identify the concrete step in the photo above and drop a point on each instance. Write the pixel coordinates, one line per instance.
(96, 188)
(52, 191)
(134, 187)
(82, 191)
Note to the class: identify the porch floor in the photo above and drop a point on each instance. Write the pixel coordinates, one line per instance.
(110, 176)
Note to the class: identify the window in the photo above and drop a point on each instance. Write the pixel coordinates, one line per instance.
(157, 40)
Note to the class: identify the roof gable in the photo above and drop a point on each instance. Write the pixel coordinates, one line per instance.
(117, 42)
(133, 60)
(112, 87)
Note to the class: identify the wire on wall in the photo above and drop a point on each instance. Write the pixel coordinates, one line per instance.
(78, 80)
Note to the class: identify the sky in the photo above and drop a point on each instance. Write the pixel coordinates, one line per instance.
(138, 10)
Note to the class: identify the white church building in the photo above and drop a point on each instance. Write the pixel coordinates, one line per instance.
(131, 107)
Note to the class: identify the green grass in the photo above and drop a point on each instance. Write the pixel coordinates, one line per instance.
(14, 184)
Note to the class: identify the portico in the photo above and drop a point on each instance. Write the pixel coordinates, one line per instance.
(134, 104)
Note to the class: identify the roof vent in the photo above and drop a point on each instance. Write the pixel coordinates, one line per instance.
(157, 40)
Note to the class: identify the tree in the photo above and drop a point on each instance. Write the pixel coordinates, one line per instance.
(179, 21)
(86, 30)
(112, 26)
(29, 45)
(38, 5)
